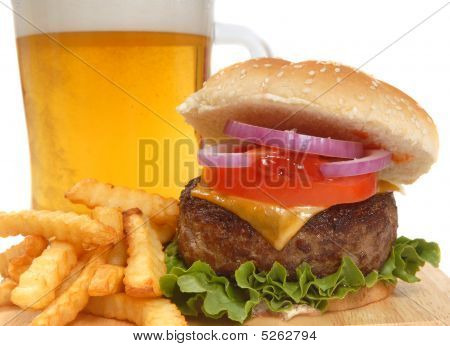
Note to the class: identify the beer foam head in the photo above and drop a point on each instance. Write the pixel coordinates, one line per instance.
(183, 16)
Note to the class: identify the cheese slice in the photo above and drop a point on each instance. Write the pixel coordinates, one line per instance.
(387, 186)
(276, 224)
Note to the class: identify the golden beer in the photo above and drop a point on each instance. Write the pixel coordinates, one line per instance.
(102, 105)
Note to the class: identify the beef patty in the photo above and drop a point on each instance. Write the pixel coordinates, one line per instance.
(365, 231)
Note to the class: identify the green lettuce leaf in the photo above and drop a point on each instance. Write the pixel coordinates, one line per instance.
(198, 289)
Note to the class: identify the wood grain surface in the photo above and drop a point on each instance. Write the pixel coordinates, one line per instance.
(424, 303)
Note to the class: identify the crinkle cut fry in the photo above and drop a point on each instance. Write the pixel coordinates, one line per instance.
(15, 260)
(65, 308)
(92, 193)
(118, 254)
(64, 226)
(140, 311)
(6, 287)
(111, 217)
(145, 257)
(108, 279)
(37, 285)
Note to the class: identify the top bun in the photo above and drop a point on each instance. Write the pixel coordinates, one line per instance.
(322, 99)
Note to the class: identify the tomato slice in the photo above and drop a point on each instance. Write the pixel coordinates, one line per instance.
(288, 179)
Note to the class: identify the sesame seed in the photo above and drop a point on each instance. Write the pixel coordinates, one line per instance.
(341, 101)
(308, 81)
(267, 65)
(323, 69)
(312, 73)
(372, 107)
(279, 74)
(398, 108)
(338, 79)
(306, 90)
(355, 110)
(266, 80)
(298, 66)
(255, 65)
(361, 97)
(337, 69)
(372, 87)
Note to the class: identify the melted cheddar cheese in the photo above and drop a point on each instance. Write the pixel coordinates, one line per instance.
(276, 224)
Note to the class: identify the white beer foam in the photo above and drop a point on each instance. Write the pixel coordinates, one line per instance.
(184, 16)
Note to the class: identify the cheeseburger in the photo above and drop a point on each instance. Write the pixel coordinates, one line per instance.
(294, 211)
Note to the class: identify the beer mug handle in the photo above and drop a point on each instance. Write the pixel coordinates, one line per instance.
(237, 34)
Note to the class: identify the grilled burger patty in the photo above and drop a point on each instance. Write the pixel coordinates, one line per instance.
(365, 231)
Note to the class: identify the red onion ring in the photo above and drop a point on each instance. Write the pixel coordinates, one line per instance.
(374, 161)
(219, 156)
(294, 141)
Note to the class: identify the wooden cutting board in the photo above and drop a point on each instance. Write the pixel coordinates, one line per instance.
(423, 303)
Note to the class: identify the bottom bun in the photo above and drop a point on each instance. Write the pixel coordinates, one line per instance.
(354, 300)
(363, 297)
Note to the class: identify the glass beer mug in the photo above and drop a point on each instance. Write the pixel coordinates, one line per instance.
(101, 80)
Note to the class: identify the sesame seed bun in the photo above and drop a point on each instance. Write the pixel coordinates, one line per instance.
(322, 99)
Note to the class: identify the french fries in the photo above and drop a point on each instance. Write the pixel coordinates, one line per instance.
(36, 288)
(145, 257)
(15, 260)
(74, 273)
(65, 308)
(165, 232)
(6, 287)
(118, 255)
(111, 217)
(162, 211)
(108, 279)
(70, 227)
(143, 312)
(108, 263)
(17, 267)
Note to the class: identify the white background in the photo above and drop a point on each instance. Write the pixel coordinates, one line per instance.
(350, 32)
(325, 336)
